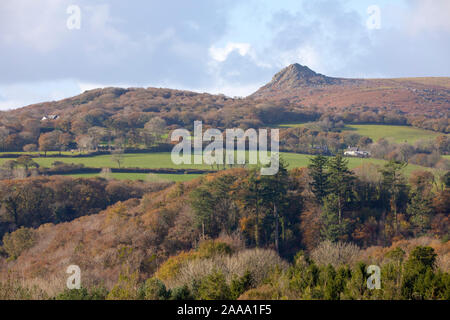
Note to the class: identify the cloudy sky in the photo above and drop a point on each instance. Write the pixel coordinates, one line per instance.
(227, 46)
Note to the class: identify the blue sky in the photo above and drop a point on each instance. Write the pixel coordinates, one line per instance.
(230, 47)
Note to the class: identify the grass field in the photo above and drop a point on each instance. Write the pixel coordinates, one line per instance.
(290, 125)
(398, 134)
(163, 160)
(143, 176)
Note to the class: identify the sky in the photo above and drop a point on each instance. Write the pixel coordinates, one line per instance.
(53, 49)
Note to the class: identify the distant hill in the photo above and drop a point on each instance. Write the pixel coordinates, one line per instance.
(413, 96)
(295, 94)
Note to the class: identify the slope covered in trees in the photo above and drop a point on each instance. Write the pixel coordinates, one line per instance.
(162, 236)
(133, 116)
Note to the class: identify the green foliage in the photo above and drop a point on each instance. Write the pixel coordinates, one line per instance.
(126, 288)
(317, 170)
(214, 287)
(421, 258)
(210, 248)
(414, 279)
(154, 289)
(394, 187)
(16, 242)
(419, 210)
(240, 284)
(213, 206)
(95, 293)
(446, 179)
(332, 229)
(340, 181)
(181, 293)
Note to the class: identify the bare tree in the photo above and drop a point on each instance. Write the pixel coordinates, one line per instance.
(336, 254)
(153, 131)
(117, 156)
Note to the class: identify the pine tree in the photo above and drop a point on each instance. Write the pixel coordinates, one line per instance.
(394, 184)
(319, 175)
(340, 181)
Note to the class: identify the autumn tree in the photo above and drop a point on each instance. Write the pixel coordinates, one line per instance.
(153, 131)
(49, 141)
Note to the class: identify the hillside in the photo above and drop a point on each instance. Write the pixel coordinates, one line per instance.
(295, 94)
(154, 235)
(413, 96)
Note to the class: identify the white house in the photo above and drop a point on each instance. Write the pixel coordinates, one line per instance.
(355, 152)
(50, 117)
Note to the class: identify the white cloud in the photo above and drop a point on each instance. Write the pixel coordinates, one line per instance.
(305, 55)
(221, 54)
(429, 15)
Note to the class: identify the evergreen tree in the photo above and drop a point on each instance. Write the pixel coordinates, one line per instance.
(317, 170)
(394, 185)
(340, 182)
(275, 196)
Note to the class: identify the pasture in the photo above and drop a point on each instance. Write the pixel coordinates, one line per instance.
(153, 177)
(397, 134)
(163, 160)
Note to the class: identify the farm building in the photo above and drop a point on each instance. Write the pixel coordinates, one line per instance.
(50, 117)
(355, 152)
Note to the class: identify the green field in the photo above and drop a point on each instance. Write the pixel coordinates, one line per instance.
(142, 176)
(290, 125)
(398, 134)
(163, 160)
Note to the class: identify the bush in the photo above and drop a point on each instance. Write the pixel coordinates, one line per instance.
(154, 289)
(181, 293)
(336, 254)
(96, 293)
(14, 289)
(30, 147)
(209, 249)
(171, 267)
(126, 288)
(257, 262)
(16, 242)
(214, 287)
(240, 284)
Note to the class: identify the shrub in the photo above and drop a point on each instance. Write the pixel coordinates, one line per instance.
(336, 254)
(30, 147)
(171, 267)
(16, 242)
(96, 293)
(126, 288)
(257, 262)
(13, 289)
(181, 293)
(208, 249)
(154, 289)
(214, 287)
(240, 284)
